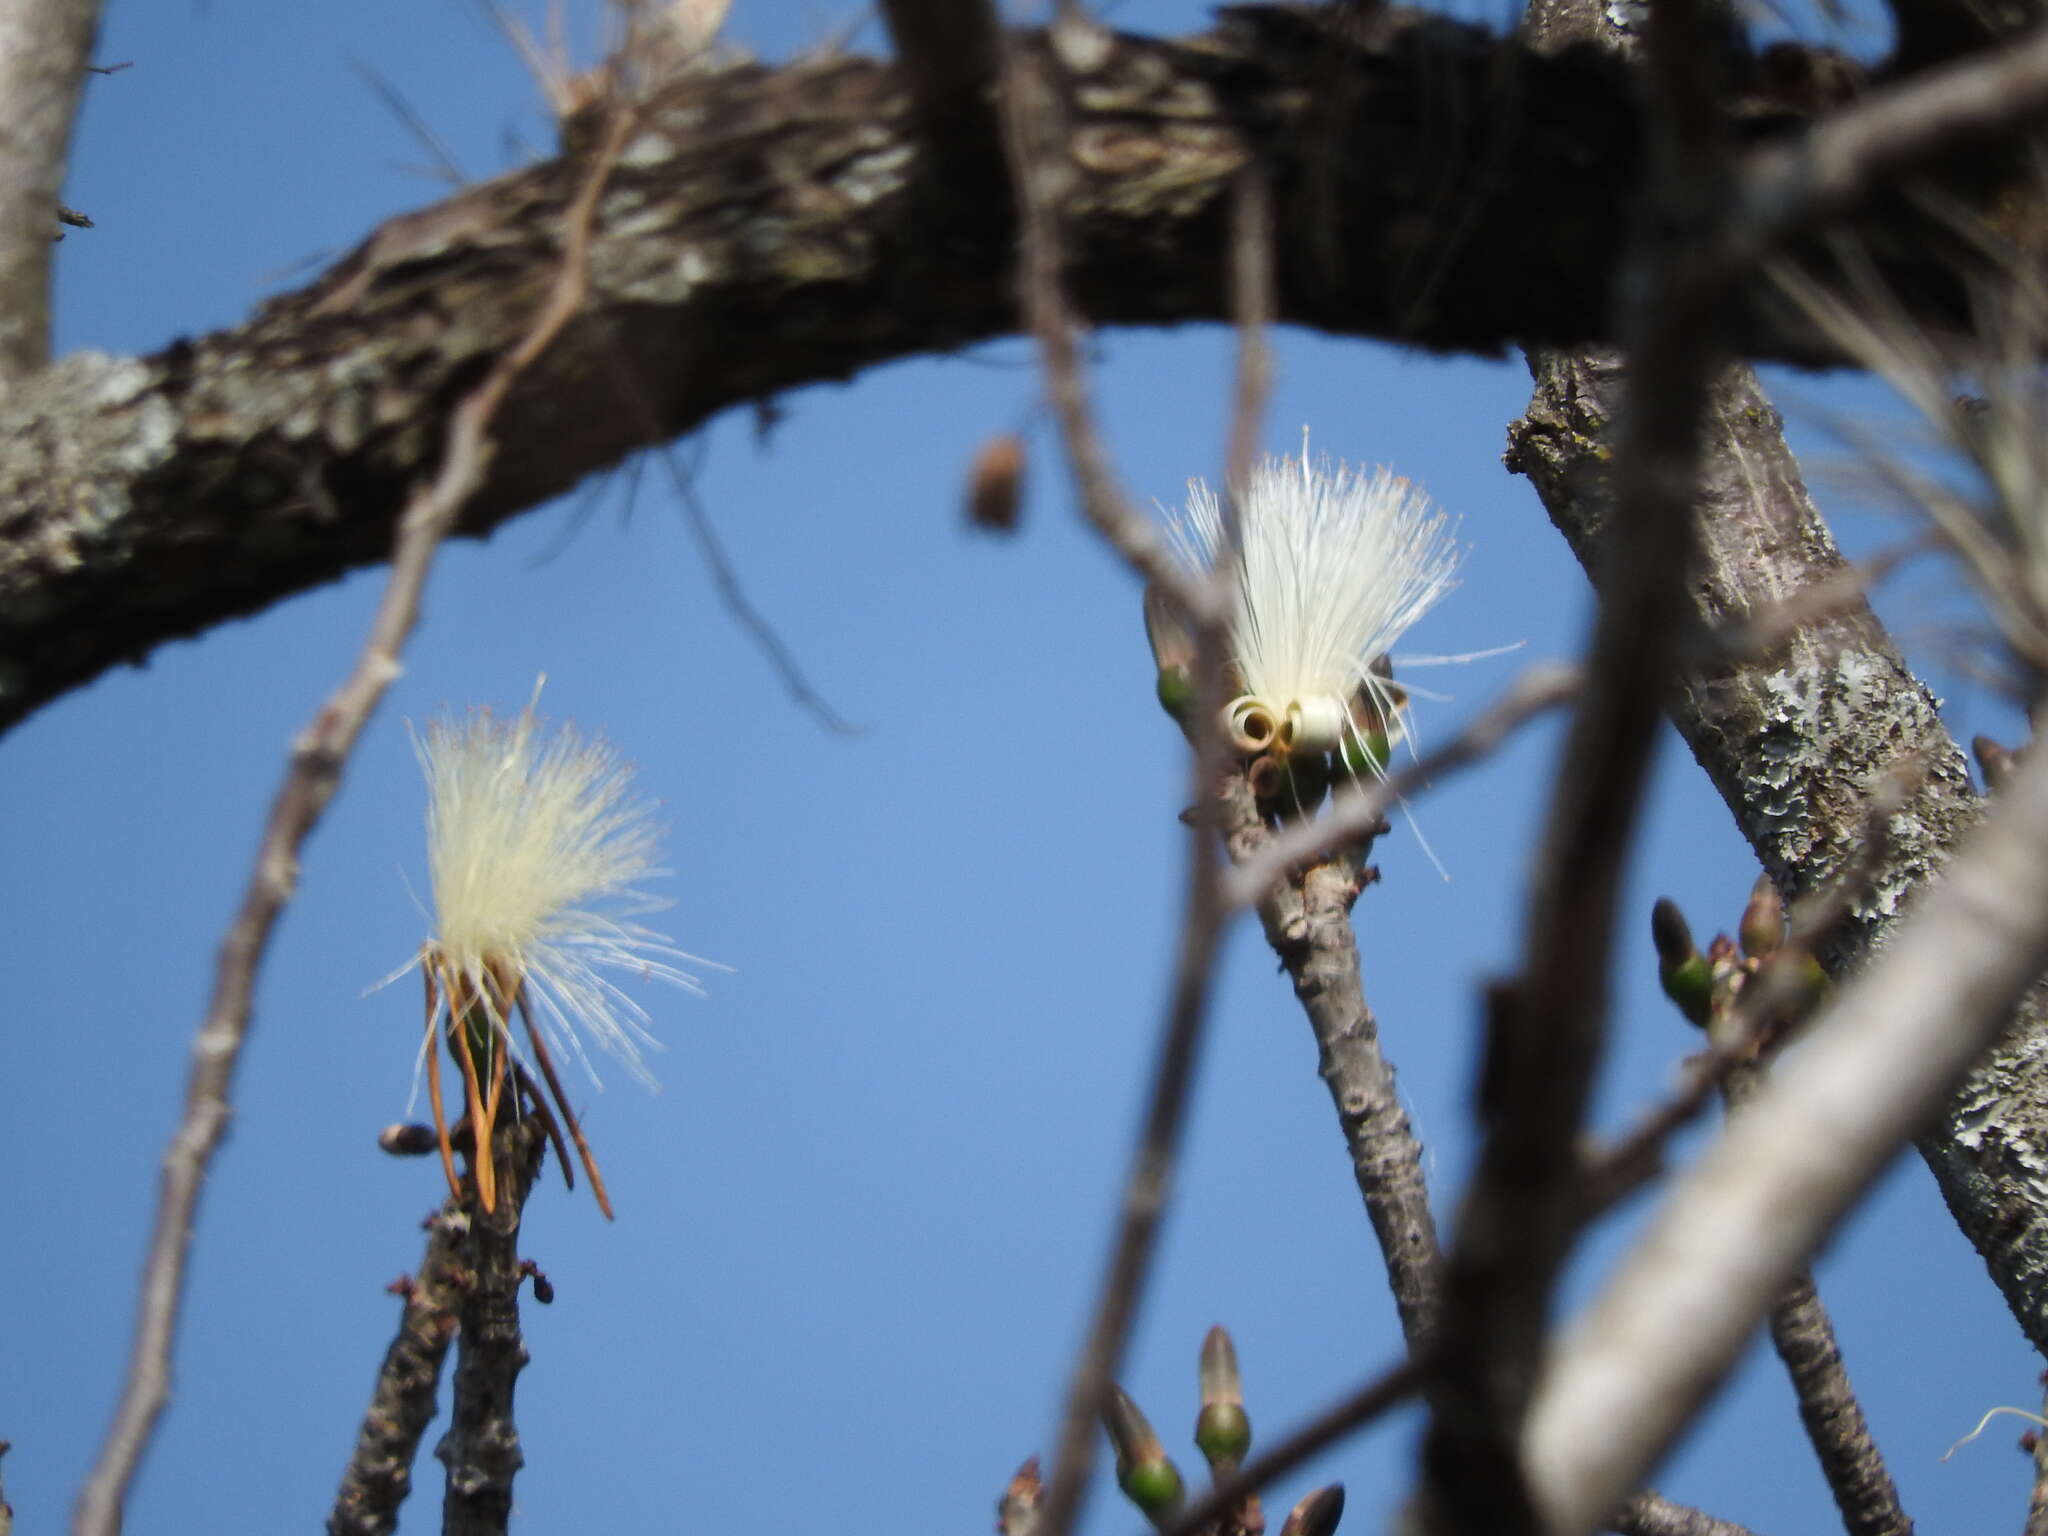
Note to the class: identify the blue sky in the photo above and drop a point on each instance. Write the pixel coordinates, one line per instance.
(860, 1225)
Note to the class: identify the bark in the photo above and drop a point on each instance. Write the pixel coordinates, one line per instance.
(44, 45)
(379, 1474)
(765, 229)
(1797, 740)
(1629, 1373)
(1307, 920)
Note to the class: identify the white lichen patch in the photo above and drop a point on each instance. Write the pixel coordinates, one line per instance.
(1829, 738)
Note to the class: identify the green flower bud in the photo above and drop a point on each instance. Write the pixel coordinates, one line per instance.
(1365, 753)
(1176, 691)
(1146, 1474)
(1682, 970)
(1155, 1487)
(1223, 1430)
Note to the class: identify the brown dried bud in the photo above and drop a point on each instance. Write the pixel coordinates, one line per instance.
(1018, 1508)
(995, 484)
(408, 1140)
(1316, 1515)
(1763, 921)
(1993, 761)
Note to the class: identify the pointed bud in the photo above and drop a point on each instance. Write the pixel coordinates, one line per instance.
(995, 484)
(1223, 1430)
(1173, 652)
(1017, 1510)
(1993, 761)
(1146, 1474)
(1763, 921)
(1366, 753)
(1682, 970)
(1316, 1515)
(408, 1140)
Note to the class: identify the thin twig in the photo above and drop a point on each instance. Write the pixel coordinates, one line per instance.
(1031, 113)
(1632, 1160)
(740, 607)
(379, 1474)
(309, 785)
(1804, 1338)
(1030, 116)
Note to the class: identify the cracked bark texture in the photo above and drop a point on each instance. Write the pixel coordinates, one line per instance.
(764, 229)
(379, 1472)
(481, 1449)
(1795, 743)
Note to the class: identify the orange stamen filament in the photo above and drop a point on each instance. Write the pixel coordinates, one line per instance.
(434, 1084)
(547, 1069)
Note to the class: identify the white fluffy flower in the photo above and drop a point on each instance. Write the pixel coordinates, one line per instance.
(536, 847)
(1337, 565)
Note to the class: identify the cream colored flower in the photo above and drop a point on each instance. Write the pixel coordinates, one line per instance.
(537, 848)
(1337, 565)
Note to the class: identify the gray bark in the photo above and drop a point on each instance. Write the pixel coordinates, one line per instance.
(1796, 741)
(765, 229)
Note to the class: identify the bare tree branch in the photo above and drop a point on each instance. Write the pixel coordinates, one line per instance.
(1032, 117)
(44, 49)
(1804, 1337)
(379, 1473)
(309, 785)
(1308, 923)
(1546, 1029)
(1875, 1065)
(1651, 1514)
(768, 233)
(481, 1448)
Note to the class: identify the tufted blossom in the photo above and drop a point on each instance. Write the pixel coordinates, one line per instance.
(536, 848)
(1337, 565)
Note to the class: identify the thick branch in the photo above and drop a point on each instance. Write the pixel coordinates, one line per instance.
(1797, 741)
(766, 230)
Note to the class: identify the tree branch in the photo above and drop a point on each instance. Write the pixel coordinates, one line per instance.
(765, 233)
(1651, 1514)
(1796, 741)
(44, 48)
(1308, 923)
(481, 1449)
(379, 1474)
(1804, 1337)
(1873, 1066)
(310, 782)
